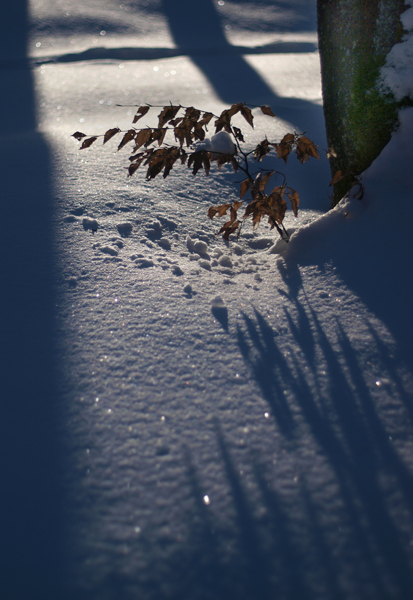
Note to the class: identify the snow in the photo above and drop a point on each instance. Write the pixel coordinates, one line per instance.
(396, 74)
(407, 17)
(220, 143)
(185, 418)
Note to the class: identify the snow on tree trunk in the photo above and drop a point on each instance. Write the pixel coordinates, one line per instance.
(354, 38)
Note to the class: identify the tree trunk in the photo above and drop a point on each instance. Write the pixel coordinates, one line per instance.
(354, 38)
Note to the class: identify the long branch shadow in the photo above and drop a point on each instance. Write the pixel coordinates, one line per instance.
(142, 53)
(198, 33)
(351, 435)
(32, 538)
(197, 29)
(266, 366)
(381, 287)
(233, 78)
(263, 563)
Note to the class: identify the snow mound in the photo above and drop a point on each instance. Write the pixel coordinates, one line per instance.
(385, 207)
(196, 246)
(109, 250)
(217, 302)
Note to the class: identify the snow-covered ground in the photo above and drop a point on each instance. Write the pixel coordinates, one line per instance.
(185, 418)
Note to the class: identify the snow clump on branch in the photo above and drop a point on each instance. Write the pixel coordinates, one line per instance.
(220, 143)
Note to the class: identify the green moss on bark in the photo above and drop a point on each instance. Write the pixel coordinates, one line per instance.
(355, 37)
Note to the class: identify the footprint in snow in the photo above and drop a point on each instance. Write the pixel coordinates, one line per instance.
(125, 229)
(90, 224)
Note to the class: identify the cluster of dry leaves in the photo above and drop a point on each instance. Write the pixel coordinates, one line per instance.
(272, 206)
(188, 126)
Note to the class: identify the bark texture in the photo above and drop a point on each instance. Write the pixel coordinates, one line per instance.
(355, 37)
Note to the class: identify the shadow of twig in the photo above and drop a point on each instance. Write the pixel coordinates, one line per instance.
(324, 388)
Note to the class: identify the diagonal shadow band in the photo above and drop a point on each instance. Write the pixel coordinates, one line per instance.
(136, 53)
(198, 33)
(230, 74)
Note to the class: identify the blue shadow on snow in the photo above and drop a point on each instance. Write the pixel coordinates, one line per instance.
(323, 393)
(197, 30)
(32, 538)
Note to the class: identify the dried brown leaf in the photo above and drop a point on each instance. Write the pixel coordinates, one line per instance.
(199, 133)
(279, 189)
(180, 134)
(128, 137)
(87, 143)
(110, 133)
(207, 164)
(238, 134)
(206, 118)
(192, 114)
(277, 206)
(154, 169)
(262, 150)
(79, 135)
(264, 180)
(247, 114)
(156, 160)
(132, 168)
(142, 110)
(267, 111)
(158, 135)
(172, 155)
(256, 186)
(212, 211)
(234, 163)
(251, 208)
(199, 160)
(137, 161)
(183, 133)
(223, 159)
(288, 138)
(167, 114)
(223, 122)
(143, 138)
(284, 148)
(305, 148)
(228, 228)
(137, 156)
(256, 218)
(220, 210)
(295, 200)
(233, 214)
(245, 186)
(337, 177)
